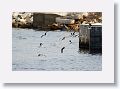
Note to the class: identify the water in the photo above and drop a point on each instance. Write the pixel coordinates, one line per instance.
(28, 55)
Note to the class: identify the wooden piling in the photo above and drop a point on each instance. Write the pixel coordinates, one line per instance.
(90, 37)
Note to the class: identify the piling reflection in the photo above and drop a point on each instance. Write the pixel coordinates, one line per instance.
(92, 51)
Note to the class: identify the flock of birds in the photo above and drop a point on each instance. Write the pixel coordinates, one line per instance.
(70, 42)
(62, 49)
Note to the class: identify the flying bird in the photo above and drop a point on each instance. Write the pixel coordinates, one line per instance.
(41, 44)
(62, 49)
(70, 41)
(43, 35)
(63, 38)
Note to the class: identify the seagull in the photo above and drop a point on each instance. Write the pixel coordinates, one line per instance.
(73, 33)
(39, 54)
(70, 41)
(41, 44)
(42, 36)
(62, 49)
(63, 38)
(76, 35)
(45, 33)
(90, 24)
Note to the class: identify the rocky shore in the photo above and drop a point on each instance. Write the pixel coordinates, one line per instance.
(22, 20)
(53, 21)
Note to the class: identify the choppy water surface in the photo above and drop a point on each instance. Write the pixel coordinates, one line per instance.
(28, 55)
